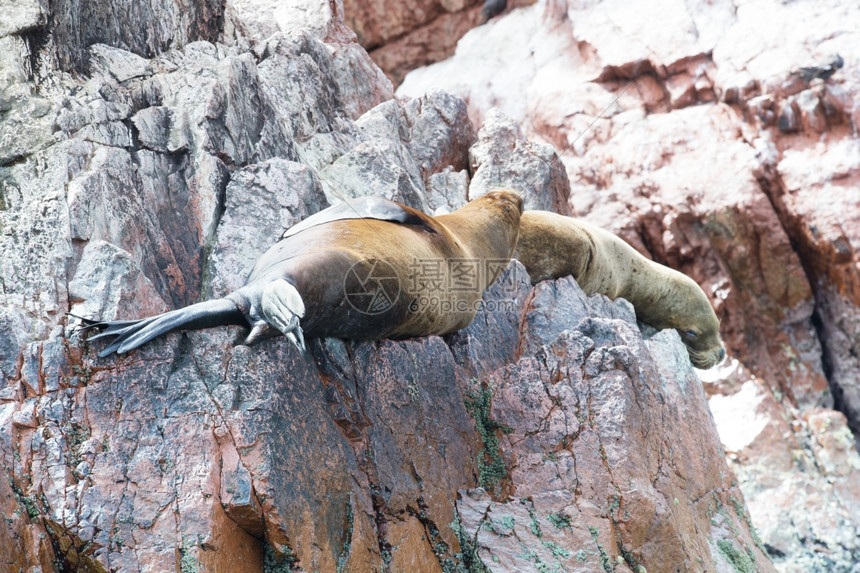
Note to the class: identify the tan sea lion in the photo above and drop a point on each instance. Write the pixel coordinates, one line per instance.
(366, 269)
(551, 246)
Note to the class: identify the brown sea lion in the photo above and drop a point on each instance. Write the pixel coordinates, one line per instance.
(551, 246)
(362, 270)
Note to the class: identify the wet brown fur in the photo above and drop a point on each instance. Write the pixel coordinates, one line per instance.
(317, 260)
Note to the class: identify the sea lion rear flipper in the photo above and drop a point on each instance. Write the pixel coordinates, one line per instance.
(133, 333)
(367, 207)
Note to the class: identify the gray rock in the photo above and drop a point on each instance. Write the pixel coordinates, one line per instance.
(20, 16)
(261, 201)
(493, 338)
(560, 305)
(503, 158)
(153, 127)
(441, 133)
(15, 333)
(144, 29)
(27, 116)
(371, 168)
(121, 64)
(448, 189)
(108, 285)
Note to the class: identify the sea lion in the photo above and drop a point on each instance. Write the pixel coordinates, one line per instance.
(363, 270)
(551, 246)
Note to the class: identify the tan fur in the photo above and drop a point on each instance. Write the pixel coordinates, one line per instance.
(551, 246)
(317, 260)
(485, 228)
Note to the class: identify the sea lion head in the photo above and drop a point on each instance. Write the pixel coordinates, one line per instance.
(282, 307)
(697, 323)
(493, 221)
(510, 203)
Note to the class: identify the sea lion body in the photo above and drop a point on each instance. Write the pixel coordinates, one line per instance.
(551, 246)
(320, 259)
(330, 262)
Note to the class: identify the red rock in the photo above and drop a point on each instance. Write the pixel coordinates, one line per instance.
(425, 44)
(709, 149)
(401, 37)
(411, 548)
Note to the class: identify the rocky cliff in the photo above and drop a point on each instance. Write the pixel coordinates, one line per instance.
(401, 36)
(147, 157)
(720, 139)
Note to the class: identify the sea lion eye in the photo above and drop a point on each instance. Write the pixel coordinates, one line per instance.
(690, 334)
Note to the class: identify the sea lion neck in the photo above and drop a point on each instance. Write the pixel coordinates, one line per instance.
(494, 217)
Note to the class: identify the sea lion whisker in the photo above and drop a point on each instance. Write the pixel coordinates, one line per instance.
(704, 359)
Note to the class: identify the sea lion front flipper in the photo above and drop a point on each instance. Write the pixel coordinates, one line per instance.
(367, 207)
(283, 307)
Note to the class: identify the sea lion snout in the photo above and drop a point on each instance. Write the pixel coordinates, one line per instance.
(704, 359)
(706, 350)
